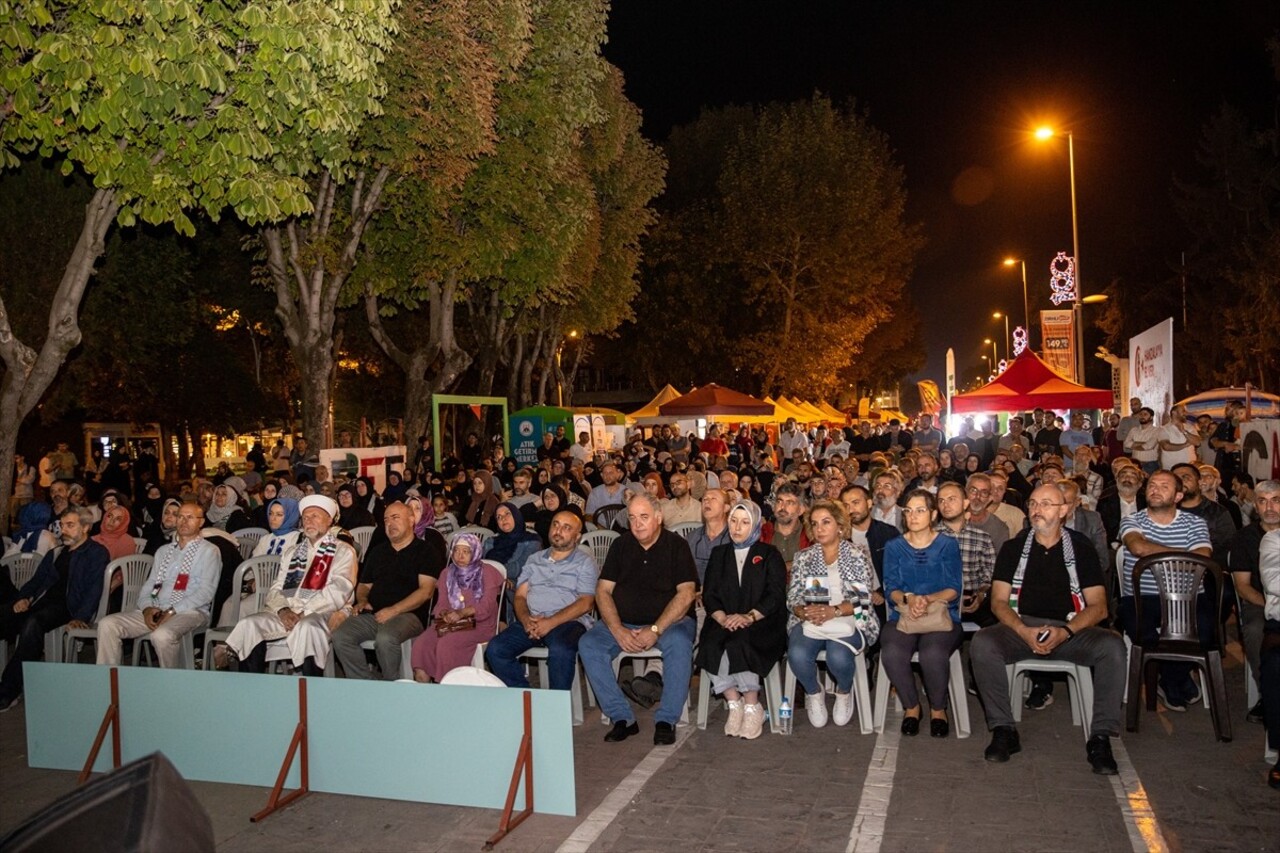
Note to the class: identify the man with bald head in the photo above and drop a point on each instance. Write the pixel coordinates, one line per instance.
(1048, 597)
(397, 579)
(175, 600)
(555, 594)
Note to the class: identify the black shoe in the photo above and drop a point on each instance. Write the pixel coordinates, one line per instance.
(664, 734)
(9, 702)
(1041, 697)
(621, 731)
(1004, 743)
(1170, 703)
(648, 688)
(911, 726)
(1098, 749)
(939, 728)
(1255, 713)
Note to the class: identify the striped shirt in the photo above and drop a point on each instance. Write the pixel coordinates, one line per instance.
(977, 554)
(1186, 532)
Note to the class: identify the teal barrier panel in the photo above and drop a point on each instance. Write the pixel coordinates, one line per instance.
(420, 742)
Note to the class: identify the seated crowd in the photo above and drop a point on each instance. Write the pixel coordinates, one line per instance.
(893, 545)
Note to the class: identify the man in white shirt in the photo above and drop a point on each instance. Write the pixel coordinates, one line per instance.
(1143, 442)
(792, 439)
(1178, 440)
(680, 507)
(582, 450)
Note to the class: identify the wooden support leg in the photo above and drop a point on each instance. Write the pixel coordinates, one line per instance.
(275, 802)
(524, 762)
(110, 720)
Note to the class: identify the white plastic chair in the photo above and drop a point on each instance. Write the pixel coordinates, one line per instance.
(598, 543)
(22, 568)
(684, 528)
(247, 540)
(541, 655)
(1080, 680)
(139, 544)
(861, 689)
(134, 570)
(362, 537)
(772, 695)
(260, 568)
(955, 687)
(483, 533)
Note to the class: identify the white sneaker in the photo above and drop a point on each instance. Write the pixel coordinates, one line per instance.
(815, 704)
(842, 709)
(752, 721)
(733, 726)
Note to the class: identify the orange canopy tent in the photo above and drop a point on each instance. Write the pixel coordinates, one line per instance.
(712, 400)
(1026, 384)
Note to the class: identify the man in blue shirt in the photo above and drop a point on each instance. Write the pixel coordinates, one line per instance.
(555, 594)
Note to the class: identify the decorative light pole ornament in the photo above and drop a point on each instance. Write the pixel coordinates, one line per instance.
(1002, 367)
(1062, 279)
(1019, 341)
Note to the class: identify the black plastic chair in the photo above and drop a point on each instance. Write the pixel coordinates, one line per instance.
(604, 517)
(1180, 577)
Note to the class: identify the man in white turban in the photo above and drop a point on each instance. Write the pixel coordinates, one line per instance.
(316, 579)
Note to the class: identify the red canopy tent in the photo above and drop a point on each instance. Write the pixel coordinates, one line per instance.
(713, 400)
(1026, 384)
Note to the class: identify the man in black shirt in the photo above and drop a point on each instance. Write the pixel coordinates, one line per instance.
(397, 580)
(65, 590)
(1245, 550)
(644, 596)
(1048, 595)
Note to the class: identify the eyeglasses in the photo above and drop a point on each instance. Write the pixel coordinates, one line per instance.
(1042, 504)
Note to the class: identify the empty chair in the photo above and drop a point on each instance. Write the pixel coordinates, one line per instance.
(247, 539)
(1180, 578)
(362, 537)
(598, 543)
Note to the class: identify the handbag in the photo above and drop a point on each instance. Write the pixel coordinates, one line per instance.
(935, 619)
(465, 624)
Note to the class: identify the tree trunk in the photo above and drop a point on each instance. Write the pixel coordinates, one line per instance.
(309, 272)
(517, 393)
(569, 378)
(28, 373)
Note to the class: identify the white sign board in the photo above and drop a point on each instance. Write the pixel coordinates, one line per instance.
(372, 462)
(1151, 369)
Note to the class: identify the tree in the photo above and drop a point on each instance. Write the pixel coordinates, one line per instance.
(811, 208)
(892, 350)
(170, 109)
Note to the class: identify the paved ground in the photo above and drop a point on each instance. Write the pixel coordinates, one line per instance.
(819, 790)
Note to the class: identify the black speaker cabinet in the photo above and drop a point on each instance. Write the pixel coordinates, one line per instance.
(145, 806)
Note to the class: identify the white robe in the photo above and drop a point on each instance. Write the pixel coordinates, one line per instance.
(310, 637)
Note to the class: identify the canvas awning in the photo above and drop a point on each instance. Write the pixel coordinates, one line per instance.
(711, 400)
(648, 415)
(1026, 384)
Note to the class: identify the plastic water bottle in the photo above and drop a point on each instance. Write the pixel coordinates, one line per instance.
(784, 717)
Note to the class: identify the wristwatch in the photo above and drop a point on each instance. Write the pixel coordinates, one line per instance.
(657, 632)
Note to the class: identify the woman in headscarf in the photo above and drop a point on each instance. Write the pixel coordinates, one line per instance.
(424, 526)
(542, 478)
(151, 505)
(653, 485)
(514, 542)
(270, 490)
(465, 615)
(283, 517)
(507, 473)
(484, 501)
(117, 534)
(165, 528)
(226, 513)
(351, 511)
(553, 500)
(33, 535)
(745, 634)
(369, 497)
(396, 487)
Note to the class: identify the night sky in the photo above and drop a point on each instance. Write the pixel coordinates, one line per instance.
(957, 86)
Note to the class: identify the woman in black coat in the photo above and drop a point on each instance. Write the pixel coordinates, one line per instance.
(745, 634)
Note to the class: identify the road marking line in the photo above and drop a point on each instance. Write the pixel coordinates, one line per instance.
(867, 833)
(598, 821)
(1145, 833)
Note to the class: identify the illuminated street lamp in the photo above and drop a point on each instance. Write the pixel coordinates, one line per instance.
(1044, 134)
(1026, 305)
(995, 359)
(1007, 351)
(559, 373)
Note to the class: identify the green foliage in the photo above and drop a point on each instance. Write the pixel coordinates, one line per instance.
(184, 106)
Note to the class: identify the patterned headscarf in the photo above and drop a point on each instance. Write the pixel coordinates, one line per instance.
(469, 577)
(424, 514)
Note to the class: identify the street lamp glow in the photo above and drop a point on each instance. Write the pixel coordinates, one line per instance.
(1045, 133)
(1095, 298)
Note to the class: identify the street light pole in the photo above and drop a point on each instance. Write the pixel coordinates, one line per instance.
(1026, 304)
(1008, 347)
(1075, 249)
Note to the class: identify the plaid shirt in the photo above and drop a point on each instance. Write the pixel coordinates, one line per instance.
(977, 555)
